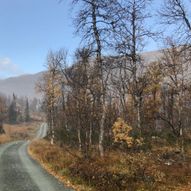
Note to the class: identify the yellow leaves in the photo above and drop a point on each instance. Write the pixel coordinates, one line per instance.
(152, 88)
(121, 132)
(139, 142)
(50, 85)
(155, 78)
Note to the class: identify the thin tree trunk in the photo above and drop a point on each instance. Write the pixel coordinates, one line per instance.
(180, 124)
(79, 138)
(1, 127)
(90, 134)
(100, 73)
(101, 136)
(139, 116)
(52, 131)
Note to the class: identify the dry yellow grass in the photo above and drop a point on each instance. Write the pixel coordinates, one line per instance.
(4, 138)
(99, 174)
(56, 161)
(20, 131)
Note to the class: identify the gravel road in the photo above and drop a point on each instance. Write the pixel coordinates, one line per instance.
(41, 133)
(18, 172)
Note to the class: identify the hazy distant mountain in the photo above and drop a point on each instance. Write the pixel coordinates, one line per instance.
(21, 86)
(25, 85)
(152, 56)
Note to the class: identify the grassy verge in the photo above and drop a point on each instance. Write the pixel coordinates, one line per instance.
(4, 138)
(21, 131)
(160, 169)
(57, 161)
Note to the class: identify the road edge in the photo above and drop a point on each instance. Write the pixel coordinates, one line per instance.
(62, 179)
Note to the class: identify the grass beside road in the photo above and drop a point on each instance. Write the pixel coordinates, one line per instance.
(160, 169)
(21, 131)
(57, 161)
(4, 138)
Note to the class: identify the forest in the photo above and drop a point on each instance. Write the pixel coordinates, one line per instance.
(119, 95)
(15, 110)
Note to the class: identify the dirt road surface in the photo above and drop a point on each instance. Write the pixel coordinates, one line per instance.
(18, 172)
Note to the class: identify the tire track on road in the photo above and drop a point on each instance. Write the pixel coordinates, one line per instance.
(13, 175)
(19, 172)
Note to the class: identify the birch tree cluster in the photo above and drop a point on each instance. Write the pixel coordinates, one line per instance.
(83, 100)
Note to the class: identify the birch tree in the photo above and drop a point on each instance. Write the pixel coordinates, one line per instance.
(175, 13)
(50, 86)
(130, 32)
(92, 23)
(176, 77)
(2, 113)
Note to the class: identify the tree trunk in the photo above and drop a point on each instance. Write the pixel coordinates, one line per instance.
(139, 117)
(138, 108)
(2, 131)
(90, 134)
(52, 131)
(79, 138)
(180, 123)
(101, 136)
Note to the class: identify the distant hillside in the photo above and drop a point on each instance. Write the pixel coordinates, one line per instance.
(152, 56)
(22, 85)
(25, 85)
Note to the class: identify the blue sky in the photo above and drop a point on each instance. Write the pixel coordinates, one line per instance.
(29, 29)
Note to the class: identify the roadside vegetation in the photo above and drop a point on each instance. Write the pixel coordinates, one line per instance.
(18, 120)
(21, 131)
(160, 168)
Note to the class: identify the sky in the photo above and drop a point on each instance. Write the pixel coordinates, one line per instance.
(29, 29)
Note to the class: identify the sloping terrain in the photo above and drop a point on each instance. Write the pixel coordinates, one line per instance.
(25, 85)
(21, 86)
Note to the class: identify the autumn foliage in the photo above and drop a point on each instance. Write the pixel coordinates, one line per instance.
(122, 133)
(118, 171)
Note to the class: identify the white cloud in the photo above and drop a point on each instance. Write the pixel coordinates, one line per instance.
(8, 68)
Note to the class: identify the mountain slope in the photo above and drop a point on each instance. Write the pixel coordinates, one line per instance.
(25, 85)
(21, 86)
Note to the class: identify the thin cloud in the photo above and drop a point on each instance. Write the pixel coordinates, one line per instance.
(8, 68)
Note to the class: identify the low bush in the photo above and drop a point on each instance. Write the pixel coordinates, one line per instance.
(118, 171)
